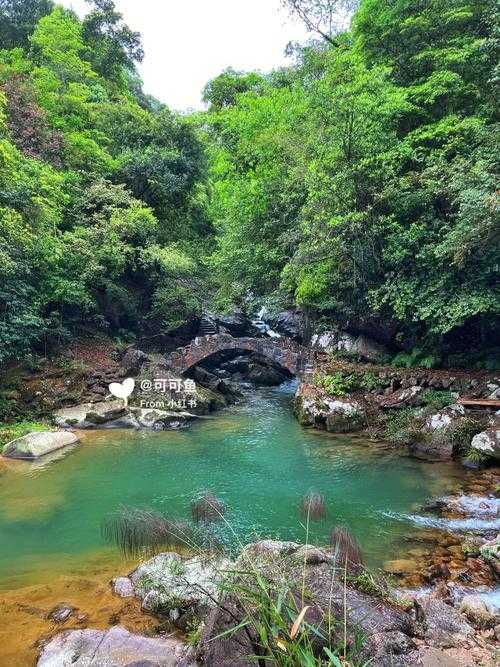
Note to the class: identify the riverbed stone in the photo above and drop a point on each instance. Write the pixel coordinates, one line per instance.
(37, 444)
(123, 587)
(116, 647)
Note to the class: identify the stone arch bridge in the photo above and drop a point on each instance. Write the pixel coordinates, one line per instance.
(285, 352)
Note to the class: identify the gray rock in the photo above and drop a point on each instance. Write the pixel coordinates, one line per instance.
(90, 415)
(122, 586)
(488, 442)
(281, 564)
(444, 418)
(362, 347)
(353, 345)
(335, 415)
(402, 398)
(115, 647)
(133, 360)
(37, 444)
(61, 613)
(168, 583)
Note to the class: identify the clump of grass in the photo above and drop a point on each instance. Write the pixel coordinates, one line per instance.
(10, 432)
(136, 531)
(313, 506)
(346, 550)
(207, 507)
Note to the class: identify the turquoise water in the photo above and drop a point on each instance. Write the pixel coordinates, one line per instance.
(255, 456)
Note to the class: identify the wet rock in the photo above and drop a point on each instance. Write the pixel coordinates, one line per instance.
(173, 586)
(266, 375)
(37, 444)
(122, 586)
(238, 325)
(115, 647)
(61, 613)
(401, 566)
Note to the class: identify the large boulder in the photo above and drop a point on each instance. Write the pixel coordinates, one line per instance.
(237, 324)
(437, 438)
(363, 347)
(487, 443)
(359, 346)
(37, 444)
(177, 587)
(289, 323)
(336, 415)
(115, 647)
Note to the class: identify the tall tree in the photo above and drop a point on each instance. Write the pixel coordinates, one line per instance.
(18, 19)
(325, 18)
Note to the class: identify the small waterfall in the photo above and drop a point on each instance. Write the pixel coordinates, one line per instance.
(262, 326)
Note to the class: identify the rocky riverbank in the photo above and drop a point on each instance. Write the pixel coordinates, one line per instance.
(221, 606)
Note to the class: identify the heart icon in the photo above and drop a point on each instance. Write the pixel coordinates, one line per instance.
(122, 390)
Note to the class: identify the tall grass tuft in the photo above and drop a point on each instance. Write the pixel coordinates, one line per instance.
(207, 507)
(313, 506)
(346, 550)
(136, 531)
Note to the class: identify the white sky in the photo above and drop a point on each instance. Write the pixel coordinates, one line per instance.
(188, 42)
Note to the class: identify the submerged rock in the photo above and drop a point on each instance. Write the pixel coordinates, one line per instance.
(115, 647)
(37, 444)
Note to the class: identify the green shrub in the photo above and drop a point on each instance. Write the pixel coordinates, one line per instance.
(337, 384)
(437, 400)
(416, 358)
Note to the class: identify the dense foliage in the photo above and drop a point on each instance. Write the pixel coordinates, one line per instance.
(358, 183)
(361, 182)
(101, 188)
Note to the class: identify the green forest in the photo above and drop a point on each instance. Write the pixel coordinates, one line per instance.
(358, 183)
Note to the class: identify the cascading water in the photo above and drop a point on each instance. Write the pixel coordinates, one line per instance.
(260, 323)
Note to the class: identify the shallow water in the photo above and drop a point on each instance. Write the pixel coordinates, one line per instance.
(255, 456)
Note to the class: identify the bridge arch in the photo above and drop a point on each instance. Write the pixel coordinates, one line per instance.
(283, 351)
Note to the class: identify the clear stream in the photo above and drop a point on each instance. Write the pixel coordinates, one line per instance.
(255, 456)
